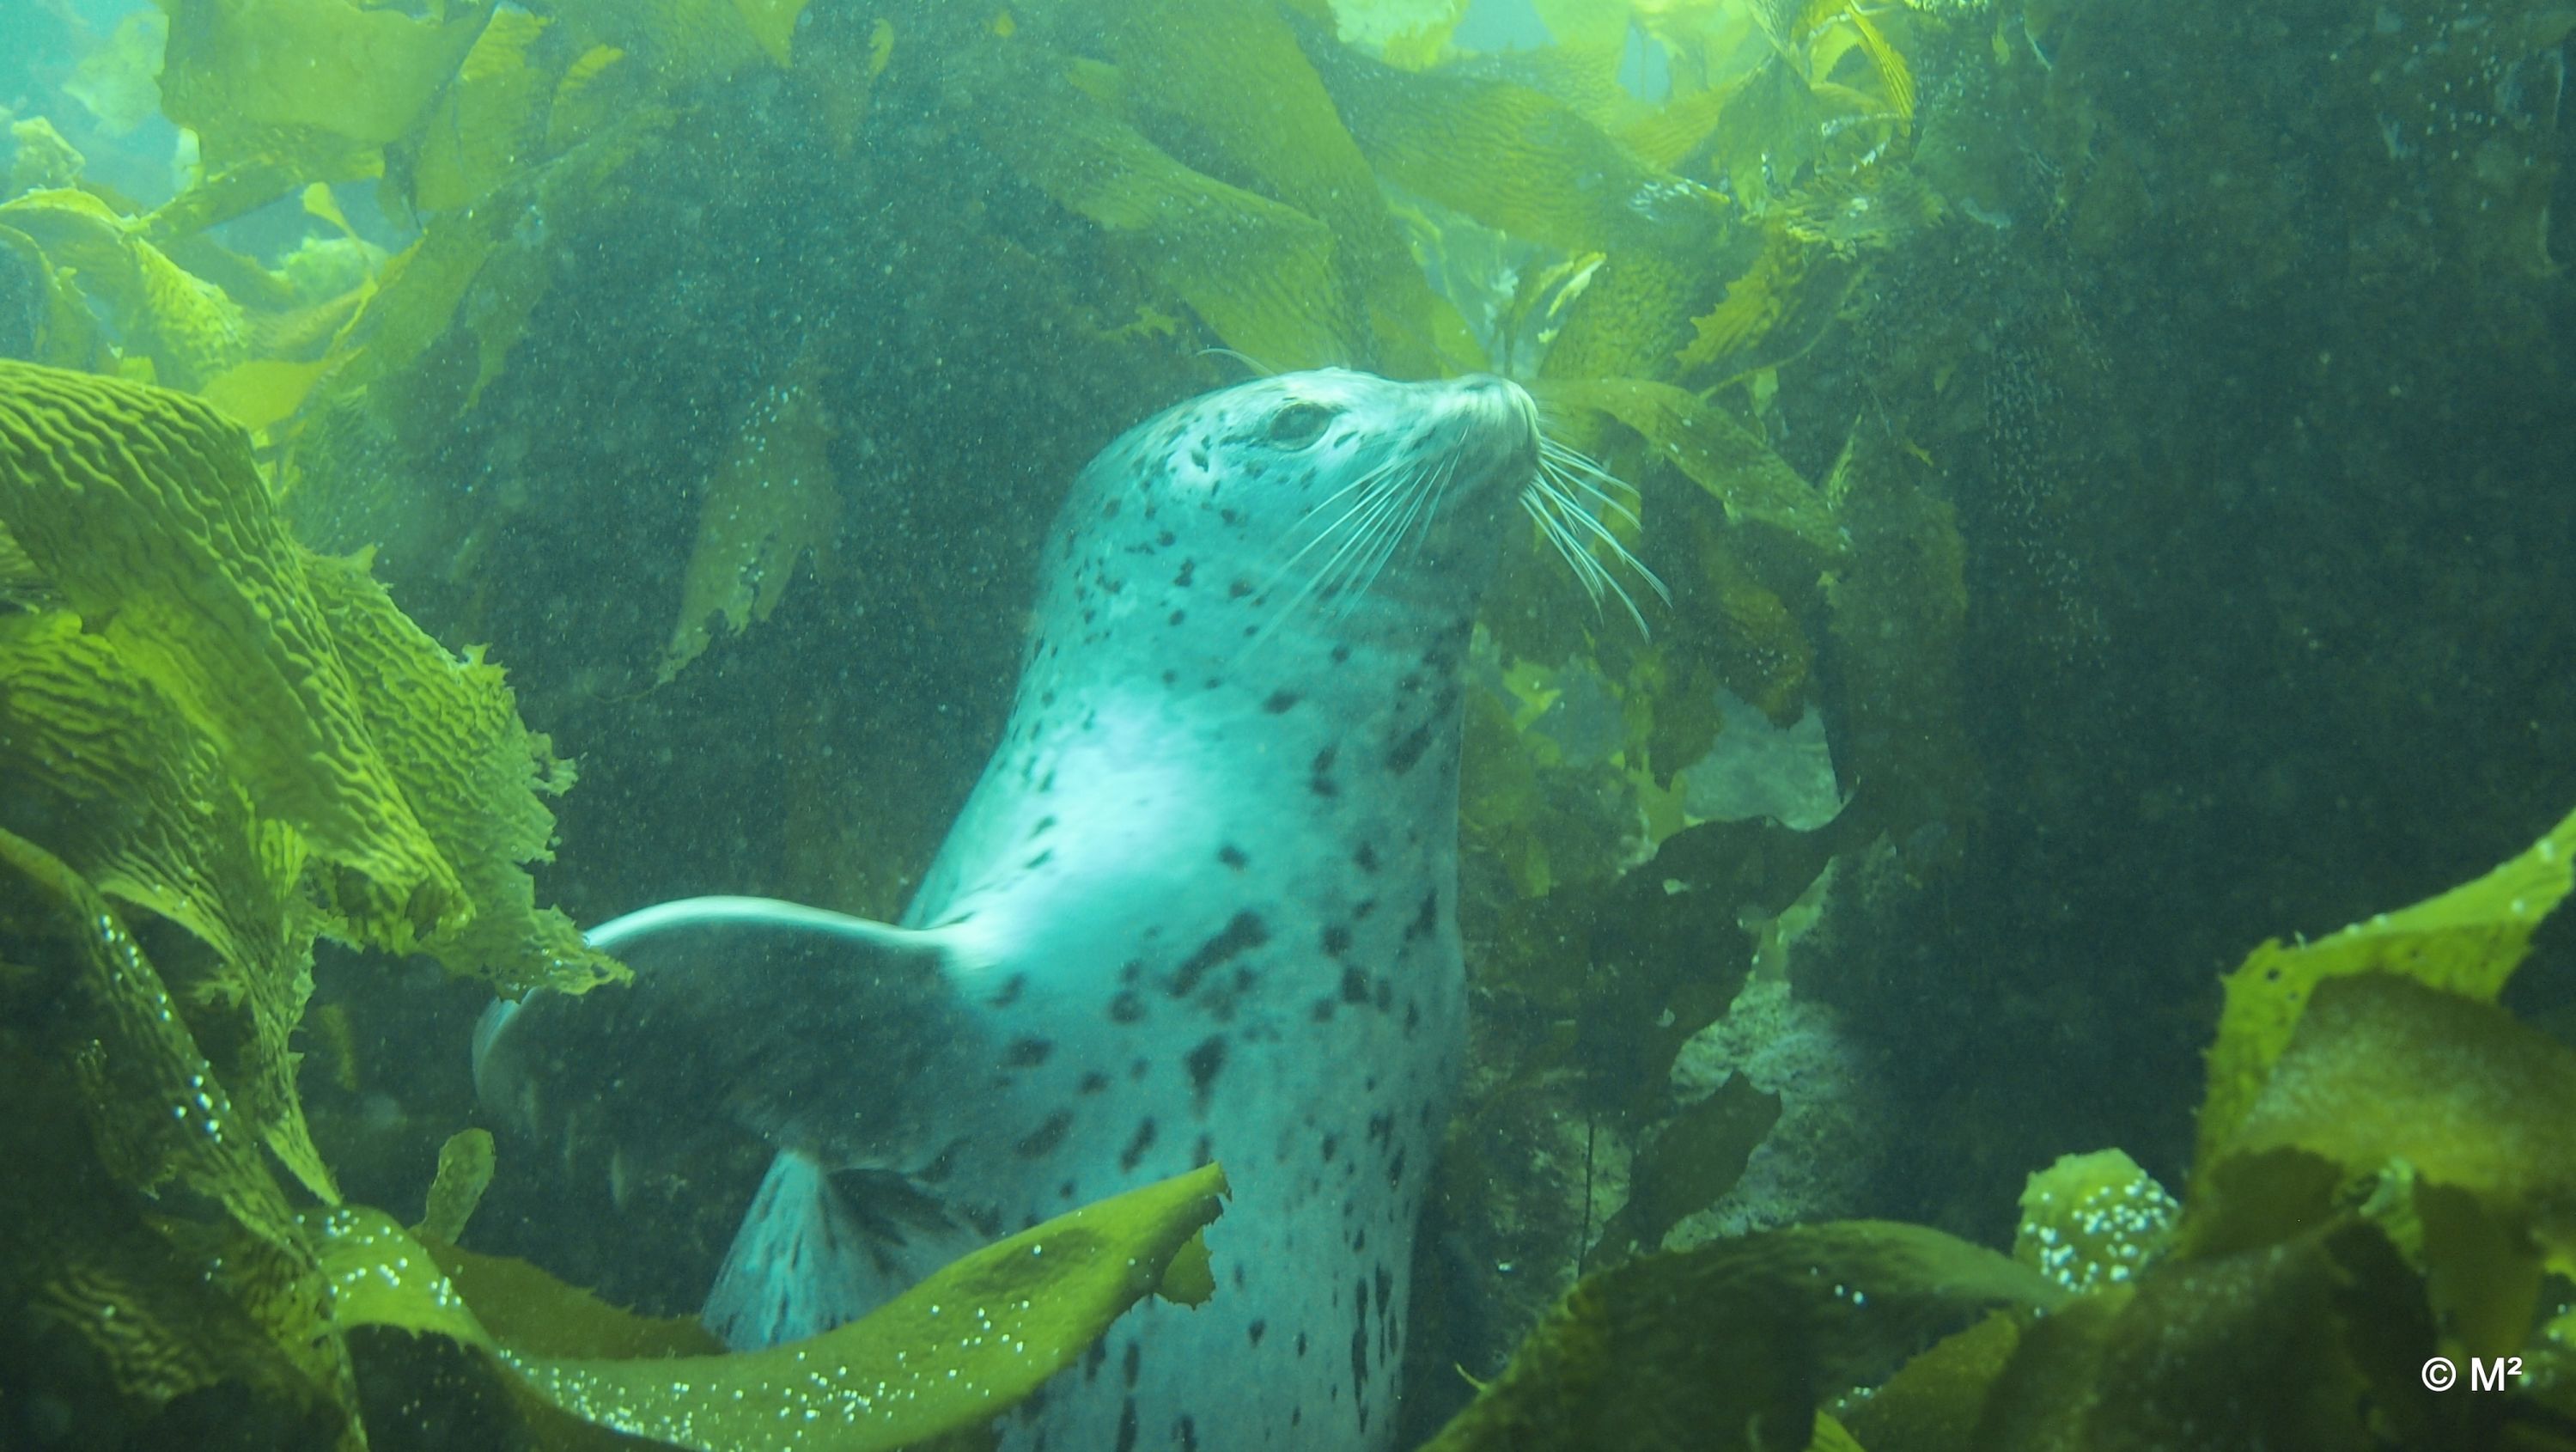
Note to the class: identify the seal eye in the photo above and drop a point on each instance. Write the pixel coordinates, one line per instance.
(1299, 424)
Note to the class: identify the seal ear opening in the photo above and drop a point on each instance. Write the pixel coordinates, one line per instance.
(746, 1014)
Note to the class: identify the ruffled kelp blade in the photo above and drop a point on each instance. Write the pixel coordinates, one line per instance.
(288, 676)
(947, 1356)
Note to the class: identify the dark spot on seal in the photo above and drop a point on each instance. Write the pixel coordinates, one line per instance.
(1139, 1069)
(1364, 907)
(1412, 1017)
(1127, 1414)
(1109, 510)
(1203, 1063)
(1239, 589)
(1280, 702)
(1332, 1147)
(1126, 1008)
(1188, 1432)
(1009, 992)
(1385, 995)
(1028, 1053)
(1137, 1143)
(1301, 1343)
(1178, 616)
(1244, 933)
(1132, 1362)
(1232, 856)
(1202, 1151)
(1188, 568)
(1359, 1347)
(1165, 539)
(1064, 1191)
(1366, 857)
(1410, 749)
(1323, 1010)
(1355, 988)
(1341, 653)
(1426, 919)
(1093, 1081)
(1093, 1357)
(1044, 825)
(1041, 859)
(1041, 1141)
(1337, 940)
(1256, 1330)
(1395, 1170)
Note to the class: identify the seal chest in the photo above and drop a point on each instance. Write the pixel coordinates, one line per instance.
(1201, 906)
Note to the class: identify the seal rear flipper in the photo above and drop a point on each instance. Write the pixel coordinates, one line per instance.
(811, 1028)
(818, 1250)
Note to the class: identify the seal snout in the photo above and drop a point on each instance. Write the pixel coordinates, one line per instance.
(1496, 422)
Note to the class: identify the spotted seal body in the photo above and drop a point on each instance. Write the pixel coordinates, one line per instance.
(1201, 906)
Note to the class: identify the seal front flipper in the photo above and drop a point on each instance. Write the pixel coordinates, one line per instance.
(813, 1029)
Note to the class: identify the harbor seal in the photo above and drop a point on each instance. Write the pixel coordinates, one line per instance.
(1200, 906)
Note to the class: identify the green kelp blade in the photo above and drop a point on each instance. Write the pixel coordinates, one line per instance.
(464, 1173)
(489, 121)
(2382, 1069)
(1511, 157)
(449, 733)
(240, 67)
(1730, 1345)
(950, 1354)
(1227, 80)
(1258, 272)
(138, 1218)
(190, 328)
(112, 779)
(1713, 450)
(143, 507)
(769, 505)
(2467, 941)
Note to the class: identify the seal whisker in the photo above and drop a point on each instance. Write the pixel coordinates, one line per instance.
(1548, 504)
(1259, 368)
(1587, 570)
(1573, 466)
(1425, 505)
(1367, 482)
(1385, 529)
(1574, 511)
(1384, 487)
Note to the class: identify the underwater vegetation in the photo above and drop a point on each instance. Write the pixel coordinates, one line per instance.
(228, 745)
(2032, 406)
(2381, 1181)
